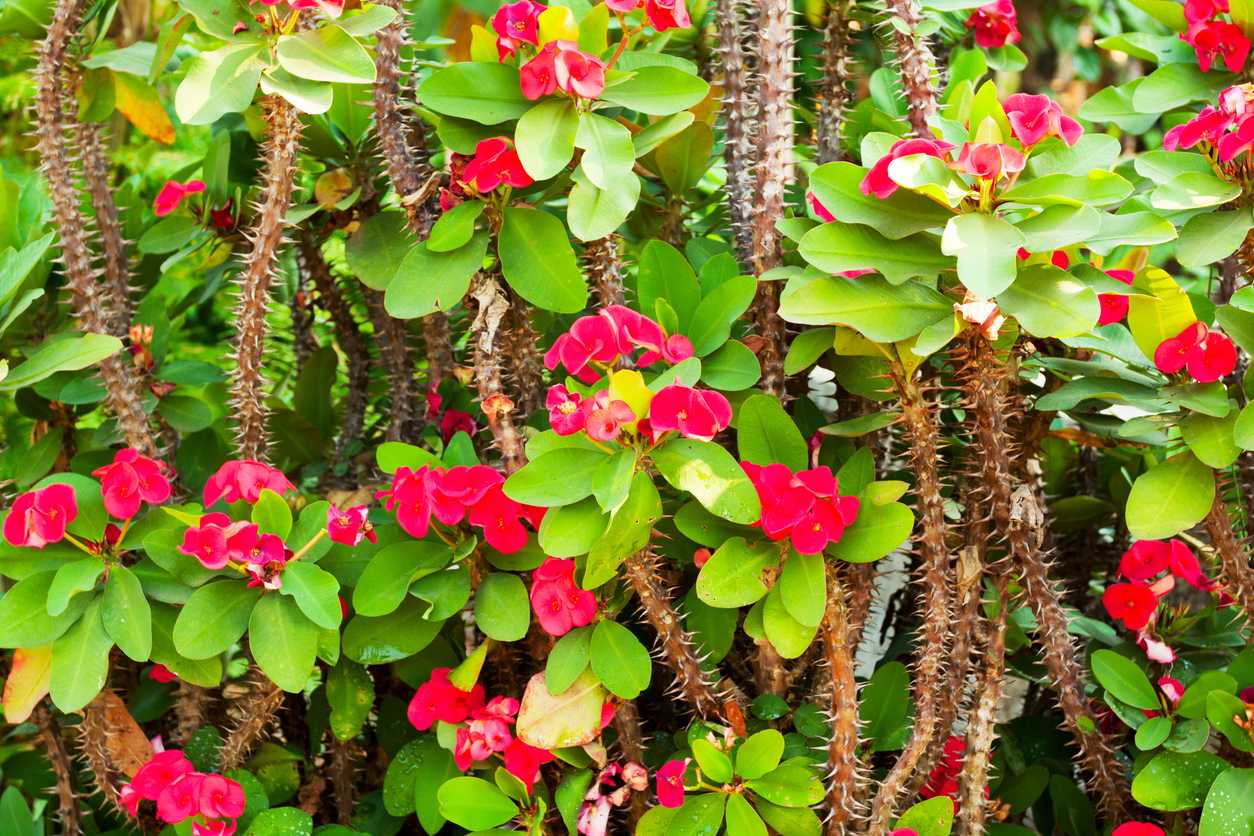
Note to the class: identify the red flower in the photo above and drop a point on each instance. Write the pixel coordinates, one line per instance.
(130, 479)
(162, 674)
(538, 77)
(421, 712)
(496, 162)
(819, 208)
(592, 339)
(349, 527)
(498, 515)
(670, 783)
(877, 181)
(39, 517)
(1145, 560)
(179, 800)
(1231, 145)
(160, 772)
(1195, 10)
(455, 421)
(207, 541)
(516, 23)
(565, 416)
(1131, 603)
(221, 798)
(1185, 566)
(1136, 828)
(1207, 126)
(639, 331)
(172, 194)
(129, 798)
(559, 604)
(603, 418)
(244, 480)
(1218, 39)
(1032, 118)
(523, 762)
(221, 827)
(667, 14)
(1114, 305)
(223, 218)
(988, 161)
(695, 413)
(944, 777)
(1209, 355)
(579, 73)
(804, 506)
(409, 494)
(453, 491)
(995, 24)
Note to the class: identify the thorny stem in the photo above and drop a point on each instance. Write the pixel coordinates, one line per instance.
(844, 765)
(67, 788)
(257, 709)
(739, 121)
(917, 66)
(836, 95)
(497, 408)
(1234, 559)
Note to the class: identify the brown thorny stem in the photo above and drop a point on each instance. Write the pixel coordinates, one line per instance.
(343, 777)
(835, 91)
(1234, 558)
(67, 787)
(348, 335)
(739, 120)
(117, 266)
(404, 151)
(493, 307)
(248, 389)
(304, 343)
(189, 711)
(257, 709)
(398, 367)
(626, 725)
(775, 144)
(123, 394)
(525, 362)
(846, 773)
(674, 644)
(604, 265)
(919, 420)
(917, 66)
(94, 732)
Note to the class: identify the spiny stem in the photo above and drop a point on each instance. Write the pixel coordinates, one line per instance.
(739, 120)
(605, 270)
(257, 708)
(844, 765)
(834, 89)
(497, 408)
(67, 786)
(917, 66)
(1234, 559)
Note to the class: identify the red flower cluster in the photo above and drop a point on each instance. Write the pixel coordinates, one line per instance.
(1032, 118)
(1213, 37)
(944, 777)
(559, 604)
(988, 160)
(516, 24)
(560, 65)
(459, 493)
(804, 506)
(130, 480)
(695, 413)
(614, 332)
(1136, 602)
(662, 14)
(600, 417)
(1208, 354)
(39, 517)
(181, 792)
(495, 163)
(877, 181)
(244, 480)
(172, 194)
(216, 541)
(349, 527)
(995, 24)
(487, 733)
(1114, 306)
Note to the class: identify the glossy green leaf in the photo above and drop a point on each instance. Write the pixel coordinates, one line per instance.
(501, 607)
(126, 614)
(428, 281)
(538, 262)
(1170, 498)
(711, 475)
(986, 248)
(545, 137)
(285, 641)
(880, 311)
(608, 153)
(619, 660)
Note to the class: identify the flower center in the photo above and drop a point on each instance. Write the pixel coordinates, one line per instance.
(567, 407)
(344, 520)
(682, 415)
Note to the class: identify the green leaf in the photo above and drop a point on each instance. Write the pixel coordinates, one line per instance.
(885, 701)
(545, 137)
(1212, 439)
(286, 641)
(570, 792)
(59, 355)
(1133, 229)
(374, 17)
(1229, 808)
(1114, 104)
(1058, 226)
(414, 778)
(272, 514)
(559, 477)
(572, 530)
(485, 93)
(538, 262)
(185, 413)
(1221, 709)
(619, 660)
(1196, 697)
(219, 82)
(214, 618)
(877, 530)
(350, 693)
(608, 152)
(1124, 679)
(628, 532)
(1205, 239)
(701, 815)
(327, 53)
(1177, 781)
(735, 575)
(789, 821)
(126, 614)
(786, 634)
(80, 661)
(711, 475)
(281, 821)
(612, 481)
(389, 638)
(880, 311)
(759, 754)
(475, 804)
(169, 234)
(666, 274)
(934, 817)
(986, 248)
(660, 131)
(711, 321)
(1170, 498)
(803, 587)
(568, 659)
(206, 673)
(837, 187)
(593, 213)
(837, 247)
(1173, 85)
(455, 227)
(766, 435)
(428, 281)
(501, 607)
(1193, 190)
(71, 579)
(1049, 302)
(657, 90)
(789, 784)
(731, 368)
(316, 593)
(1094, 188)
(683, 159)
(375, 251)
(309, 96)
(712, 761)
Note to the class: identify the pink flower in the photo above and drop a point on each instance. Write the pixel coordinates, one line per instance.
(1115, 306)
(496, 163)
(1207, 126)
(244, 480)
(434, 399)
(1156, 651)
(1173, 689)
(1218, 39)
(349, 527)
(623, 5)
(130, 479)
(667, 14)
(1195, 10)
(221, 827)
(162, 674)
(1032, 118)
(559, 604)
(1131, 603)
(1136, 828)
(409, 494)
(172, 194)
(637, 330)
(129, 798)
(221, 798)
(498, 515)
(518, 22)
(453, 705)
(523, 762)
(1232, 144)
(670, 783)
(943, 780)
(460, 488)
(877, 181)
(207, 541)
(455, 421)
(1209, 355)
(579, 73)
(995, 24)
(695, 413)
(1236, 101)
(988, 161)
(591, 339)
(160, 772)
(603, 418)
(421, 712)
(538, 77)
(565, 416)
(39, 517)
(179, 800)
(247, 544)
(819, 208)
